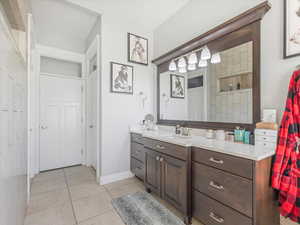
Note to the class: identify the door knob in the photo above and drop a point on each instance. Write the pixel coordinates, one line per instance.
(157, 158)
(161, 159)
(91, 126)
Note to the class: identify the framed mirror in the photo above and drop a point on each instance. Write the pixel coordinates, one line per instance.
(222, 93)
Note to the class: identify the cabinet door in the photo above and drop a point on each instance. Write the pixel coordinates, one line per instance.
(153, 170)
(174, 182)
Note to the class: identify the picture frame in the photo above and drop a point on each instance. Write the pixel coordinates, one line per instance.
(121, 78)
(137, 49)
(291, 29)
(177, 88)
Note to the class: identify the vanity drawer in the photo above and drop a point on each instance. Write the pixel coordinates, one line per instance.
(235, 165)
(138, 151)
(229, 189)
(166, 148)
(211, 212)
(266, 144)
(265, 132)
(138, 138)
(266, 139)
(137, 168)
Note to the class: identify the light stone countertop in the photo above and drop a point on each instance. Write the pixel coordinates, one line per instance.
(246, 151)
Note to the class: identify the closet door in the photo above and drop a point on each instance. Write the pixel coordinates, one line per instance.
(60, 125)
(50, 149)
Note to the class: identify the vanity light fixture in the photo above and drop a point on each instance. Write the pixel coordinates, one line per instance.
(182, 70)
(202, 63)
(216, 58)
(191, 67)
(205, 54)
(182, 62)
(173, 66)
(192, 59)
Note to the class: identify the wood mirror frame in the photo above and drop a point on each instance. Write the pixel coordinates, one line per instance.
(243, 28)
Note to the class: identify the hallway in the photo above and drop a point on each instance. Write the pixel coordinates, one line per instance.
(71, 196)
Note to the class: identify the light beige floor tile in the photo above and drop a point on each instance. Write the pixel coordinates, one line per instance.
(51, 175)
(79, 180)
(43, 201)
(196, 222)
(125, 190)
(109, 218)
(92, 206)
(85, 190)
(117, 184)
(58, 215)
(48, 185)
(77, 169)
(286, 221)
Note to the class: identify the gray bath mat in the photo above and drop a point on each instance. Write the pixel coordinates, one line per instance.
(142, 209)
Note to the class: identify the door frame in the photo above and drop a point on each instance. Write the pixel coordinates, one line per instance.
(57, 54)
(94, 49)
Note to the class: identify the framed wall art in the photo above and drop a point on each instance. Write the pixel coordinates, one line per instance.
(137, 49)
(177, 86)
(121, 78)
(291, 28)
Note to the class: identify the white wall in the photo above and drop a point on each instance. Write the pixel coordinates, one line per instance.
(119, 111)
(13, 130)
(198, 17)
(95, 31)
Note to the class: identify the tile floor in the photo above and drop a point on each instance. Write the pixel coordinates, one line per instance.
(72, 197)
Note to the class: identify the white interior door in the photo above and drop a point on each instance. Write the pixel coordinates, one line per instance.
(60, 125)
(92, 119)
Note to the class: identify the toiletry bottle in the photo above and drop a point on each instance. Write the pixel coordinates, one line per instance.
(247, 137)
(239, 135)
(236, 134)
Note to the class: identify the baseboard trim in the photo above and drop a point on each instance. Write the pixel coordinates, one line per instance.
(115, 177)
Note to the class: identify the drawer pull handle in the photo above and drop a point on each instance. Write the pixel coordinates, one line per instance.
(216, 218)
(216, 161)
(216, 186)
(160, 147)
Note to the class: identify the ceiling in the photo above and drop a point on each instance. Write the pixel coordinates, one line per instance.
(148, 14)
(61, 24)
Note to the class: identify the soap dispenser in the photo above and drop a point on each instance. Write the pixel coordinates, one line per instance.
(239, 135)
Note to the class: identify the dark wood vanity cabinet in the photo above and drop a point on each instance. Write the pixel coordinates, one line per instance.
(231, 190)
(167, 177)
(153, 171)
(215, 188)
(167, 173)
(137, 153)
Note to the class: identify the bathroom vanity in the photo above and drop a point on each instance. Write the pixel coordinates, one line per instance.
(216, 182)
(210, 82)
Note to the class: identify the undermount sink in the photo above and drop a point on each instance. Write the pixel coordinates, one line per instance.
(179, 136)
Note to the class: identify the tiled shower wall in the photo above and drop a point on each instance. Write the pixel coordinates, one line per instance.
(236, 105)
